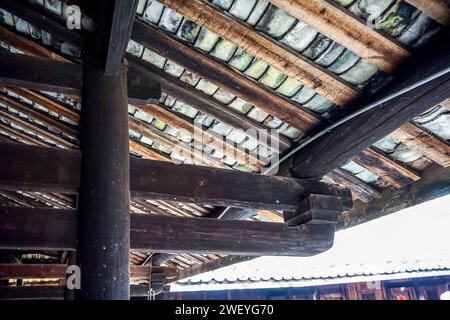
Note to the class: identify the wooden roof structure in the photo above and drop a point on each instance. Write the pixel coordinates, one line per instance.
(356, 94)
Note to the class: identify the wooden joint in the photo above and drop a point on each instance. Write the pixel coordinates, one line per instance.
(318, 209)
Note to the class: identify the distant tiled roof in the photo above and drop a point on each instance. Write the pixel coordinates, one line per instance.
(344, 271)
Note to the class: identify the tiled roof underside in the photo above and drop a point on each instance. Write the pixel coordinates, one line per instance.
(400, 20)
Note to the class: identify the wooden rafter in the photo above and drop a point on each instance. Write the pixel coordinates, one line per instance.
(164, 114)
(337, 24)
(337, 146)
(290, 63)
(394, 173)
(434, 183)
(223, 76)
(437, 9)
(33, 14)
(201, 101)
(426, 143)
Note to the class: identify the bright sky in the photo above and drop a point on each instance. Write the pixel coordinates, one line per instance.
(420, 233)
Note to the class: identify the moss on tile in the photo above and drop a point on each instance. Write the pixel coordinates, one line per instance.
(206, 40)
(256, 69)
(275, 22)
(241, 59)
(224, 50)
(273, 77)
(188, 30)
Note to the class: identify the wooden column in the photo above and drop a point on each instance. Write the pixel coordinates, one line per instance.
(103, 251)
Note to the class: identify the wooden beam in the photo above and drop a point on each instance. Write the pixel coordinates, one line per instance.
(49, 103)
(228, 237)
(418, 139)
(52, 24)
(58, 170)
(210, 266)
(437, 9)
(156, 135)
(393, 172)
(119, 35)
(359, 189)
(20, 42)
(54, 292)
(201, 101)
(103, 246)
(27, 228)
(212, 139)
(16, 119)
(32, 228)
(196, 184)
(37, 115)
(223, 76)
(435, 183)
(342, 143)
(339, 25)
(39, 271)
(289, 62)
(42, 74)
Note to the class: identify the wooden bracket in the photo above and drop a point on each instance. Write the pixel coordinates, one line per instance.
(319, 209)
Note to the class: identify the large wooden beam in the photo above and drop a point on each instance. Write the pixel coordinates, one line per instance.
(59, 271)
(47, 75)
(32, 168)
(345, 141)
(27, 228)
(337, 24)
(40, 74)
(223, 76)
(287, 61)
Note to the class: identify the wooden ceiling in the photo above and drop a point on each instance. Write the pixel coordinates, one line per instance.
(282, 87)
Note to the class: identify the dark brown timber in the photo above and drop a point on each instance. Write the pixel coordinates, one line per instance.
(119, 35)
(53, 292)
(55, 229)
(349, 139)
(103, 250)
(57, 170)
(36, 73)
(50, 270)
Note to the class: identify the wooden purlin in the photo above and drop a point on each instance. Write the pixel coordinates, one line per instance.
(290, 63)
(426, 143)
(439, 10)
(337, 24)
(224, 76)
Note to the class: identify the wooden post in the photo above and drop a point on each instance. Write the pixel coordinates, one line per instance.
(103, 252)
